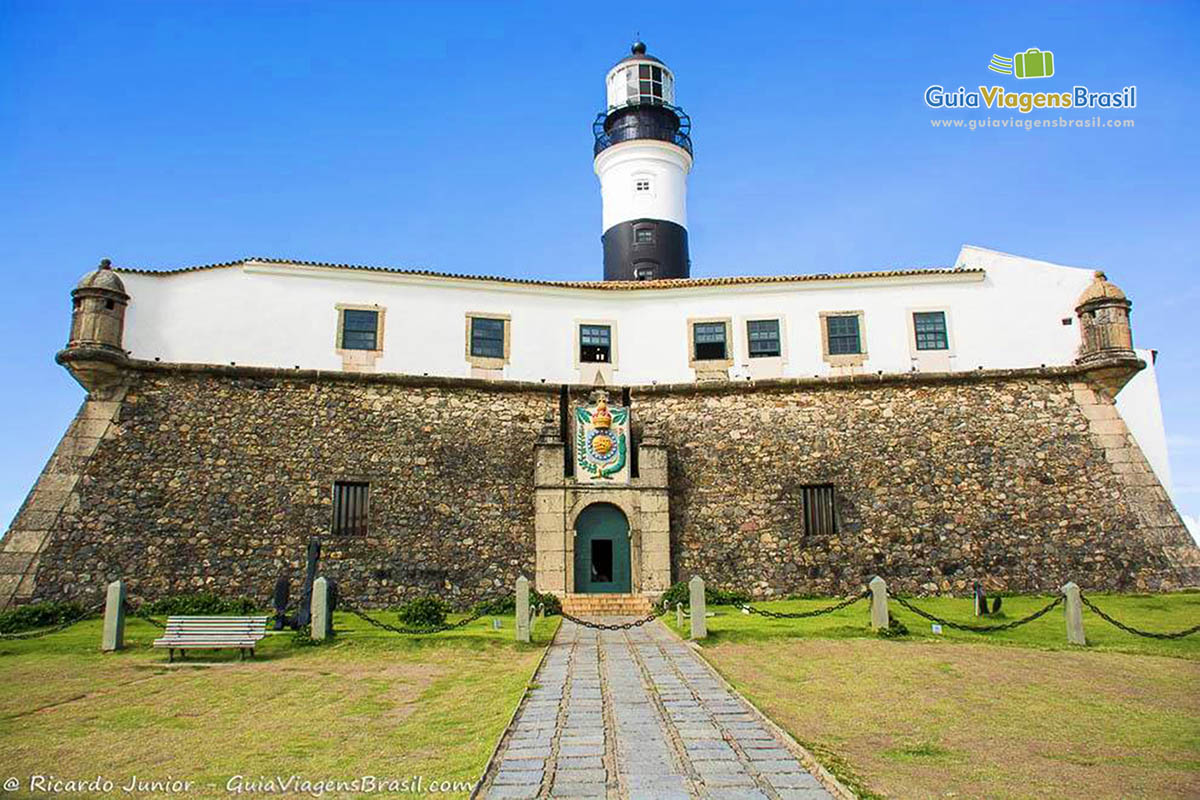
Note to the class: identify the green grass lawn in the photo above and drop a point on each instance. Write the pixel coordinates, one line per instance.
(1150, 612)
(1017, 714)
(369, 703)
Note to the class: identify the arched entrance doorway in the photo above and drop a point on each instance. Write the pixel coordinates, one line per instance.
(602, 550)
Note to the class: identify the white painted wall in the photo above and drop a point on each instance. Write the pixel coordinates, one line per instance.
(284, 315)
(663, 164)
(1140, 407)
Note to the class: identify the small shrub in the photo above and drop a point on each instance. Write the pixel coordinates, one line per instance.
(497, 607)
(553, 606)
(38, 615)
(503, 606)
(895, 628)
(303, 638)
(202, 604)
(424, 612)
(679, 593)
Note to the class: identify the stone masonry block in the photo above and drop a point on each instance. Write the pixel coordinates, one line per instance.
(548, 522)
(23, 541)
(40, 519)
(1111, 441)
(1109, 427)
(100, 409)
(551, 560)
(56, 482)
(1084, 395)
(549, 502)
(15, 563)
(91, 428)
(1097, 413)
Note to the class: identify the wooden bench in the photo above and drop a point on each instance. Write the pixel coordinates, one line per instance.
(212, 633)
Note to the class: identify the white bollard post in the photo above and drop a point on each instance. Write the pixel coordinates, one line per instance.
(879, 603)
(1073, 610)
(522, 609)
(679, 615)
(319, 610)
(696, 598)
(113, 637)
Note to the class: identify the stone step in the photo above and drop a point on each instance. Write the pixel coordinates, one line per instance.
(606, 605)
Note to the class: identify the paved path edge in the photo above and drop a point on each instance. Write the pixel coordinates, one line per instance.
(491, 762)
(810, 762)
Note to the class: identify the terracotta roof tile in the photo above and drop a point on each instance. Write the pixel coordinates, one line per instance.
(673, 283)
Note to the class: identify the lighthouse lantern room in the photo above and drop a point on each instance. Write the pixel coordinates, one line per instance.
(643, 154)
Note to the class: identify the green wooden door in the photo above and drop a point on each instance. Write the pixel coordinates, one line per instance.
(602, 550)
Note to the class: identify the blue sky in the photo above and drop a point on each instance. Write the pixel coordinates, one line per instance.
(457, 137)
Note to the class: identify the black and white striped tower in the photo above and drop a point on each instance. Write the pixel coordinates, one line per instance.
(643, 155)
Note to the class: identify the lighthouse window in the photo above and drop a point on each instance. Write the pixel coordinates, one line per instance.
(487, 337)
(642, 185)
(595, 344)
(643, 236)
(764, 338)
(645, 85)
(360, 329)
(709, 341)
(843, 336)
(930, 328)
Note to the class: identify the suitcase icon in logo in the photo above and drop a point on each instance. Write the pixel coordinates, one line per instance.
(1034, 63)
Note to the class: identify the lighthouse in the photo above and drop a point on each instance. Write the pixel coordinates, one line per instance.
(643, 153)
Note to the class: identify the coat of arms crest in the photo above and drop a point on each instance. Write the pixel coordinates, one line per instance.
(602, 442)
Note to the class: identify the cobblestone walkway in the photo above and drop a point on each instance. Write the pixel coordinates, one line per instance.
(637, 714)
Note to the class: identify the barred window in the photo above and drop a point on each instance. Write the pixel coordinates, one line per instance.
(930, 327)
(709, 341)
(360, 329)
(595, 344)
(764, 338)
(820, 512)
(350, 505)
(487, 337)
(643, 236)
(843, 336)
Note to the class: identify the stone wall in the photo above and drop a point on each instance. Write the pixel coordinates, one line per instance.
(1022, 480)
(213, 478)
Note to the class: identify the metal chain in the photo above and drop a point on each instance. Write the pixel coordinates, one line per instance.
(979, 628)
(849, 601)
(1135, 631)
(62, 626)
(409, 631)
(602, 626)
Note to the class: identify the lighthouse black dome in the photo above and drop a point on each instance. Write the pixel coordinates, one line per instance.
(639, 54)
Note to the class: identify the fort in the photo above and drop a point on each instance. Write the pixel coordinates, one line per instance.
(988, 420)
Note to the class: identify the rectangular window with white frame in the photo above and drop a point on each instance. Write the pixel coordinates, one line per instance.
(489, 342)
(930, 330)
(843, 339)
(764, 338)
(487, 337)
(595, 344)
(710, 341)
(843, 335)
